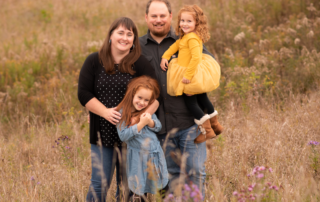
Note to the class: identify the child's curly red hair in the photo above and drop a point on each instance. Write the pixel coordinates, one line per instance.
(201, 28)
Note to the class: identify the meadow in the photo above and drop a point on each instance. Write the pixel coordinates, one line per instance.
(268, 100)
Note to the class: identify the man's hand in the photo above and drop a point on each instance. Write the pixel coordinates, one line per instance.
(185, 81)
(164, 64)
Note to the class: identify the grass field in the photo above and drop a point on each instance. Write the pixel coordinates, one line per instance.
(268, 100)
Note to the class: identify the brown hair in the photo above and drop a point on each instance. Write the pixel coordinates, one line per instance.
(126, 104)
(201, 28)
(164, 1)
(127, 62)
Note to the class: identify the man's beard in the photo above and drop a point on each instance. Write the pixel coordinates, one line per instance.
(162, 33)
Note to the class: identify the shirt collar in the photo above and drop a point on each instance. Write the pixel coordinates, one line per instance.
(171, 34)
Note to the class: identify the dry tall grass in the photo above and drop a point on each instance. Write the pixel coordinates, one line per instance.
(269, 52)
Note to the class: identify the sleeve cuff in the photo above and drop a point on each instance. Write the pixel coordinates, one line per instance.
(135, 130)
(166, 57)
(157, 124)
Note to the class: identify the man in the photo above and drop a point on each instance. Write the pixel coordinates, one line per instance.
(172, 111)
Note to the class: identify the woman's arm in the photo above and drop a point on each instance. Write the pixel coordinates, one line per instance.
(86, 90)
(153, 107)
(86, 79)
(110, 114)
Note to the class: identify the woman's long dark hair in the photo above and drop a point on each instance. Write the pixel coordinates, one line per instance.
(127, 62)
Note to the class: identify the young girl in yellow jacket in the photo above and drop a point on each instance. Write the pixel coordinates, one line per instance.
(193, 74)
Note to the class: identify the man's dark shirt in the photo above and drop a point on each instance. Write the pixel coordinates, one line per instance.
(172, 111)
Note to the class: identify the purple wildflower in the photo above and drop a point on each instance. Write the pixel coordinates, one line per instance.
(313, 143)
(262, 168)
(194, 186)
(235, 193)
(270, 170)
(260, 175)
(193, 194)
(170, 196)
(32, 178)
(187, 188)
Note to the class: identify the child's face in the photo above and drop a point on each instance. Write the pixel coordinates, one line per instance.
(141, 99)
(187, 22)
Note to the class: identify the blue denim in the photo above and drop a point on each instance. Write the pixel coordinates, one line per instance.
(104, 160)
(183, 142)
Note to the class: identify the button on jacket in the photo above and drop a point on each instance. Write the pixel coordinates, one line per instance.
(172, 111)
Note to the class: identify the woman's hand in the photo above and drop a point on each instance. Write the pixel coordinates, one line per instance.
(164, 64)
(112, 115)
(185, 81)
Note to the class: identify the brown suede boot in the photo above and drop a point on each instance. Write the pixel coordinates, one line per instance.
(205, 128)
(217, 128)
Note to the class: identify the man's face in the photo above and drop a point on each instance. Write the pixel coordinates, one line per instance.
(158, 19)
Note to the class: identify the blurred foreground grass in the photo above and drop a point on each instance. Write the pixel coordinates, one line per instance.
(269, 52)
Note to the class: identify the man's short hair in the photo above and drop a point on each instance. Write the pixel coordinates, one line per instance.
(164, 1)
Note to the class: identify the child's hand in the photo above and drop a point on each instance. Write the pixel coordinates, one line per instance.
(145, 119)
(164, 64)
(185, 81)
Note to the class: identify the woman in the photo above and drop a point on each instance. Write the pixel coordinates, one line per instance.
(102, 85)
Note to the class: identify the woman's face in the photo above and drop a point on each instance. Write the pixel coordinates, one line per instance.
(121, 40)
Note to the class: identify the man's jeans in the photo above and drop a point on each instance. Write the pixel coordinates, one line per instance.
(104, 160)
(181, 144)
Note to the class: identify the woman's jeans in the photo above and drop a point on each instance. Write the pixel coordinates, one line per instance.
(104, 160)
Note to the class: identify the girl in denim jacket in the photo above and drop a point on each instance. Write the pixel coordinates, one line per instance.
(146, 165)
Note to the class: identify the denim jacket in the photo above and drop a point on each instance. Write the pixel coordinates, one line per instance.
(146, 165)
